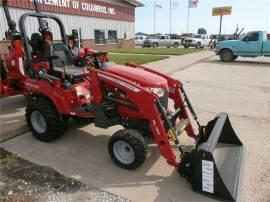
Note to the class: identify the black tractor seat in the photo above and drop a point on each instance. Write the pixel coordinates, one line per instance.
(65, 61)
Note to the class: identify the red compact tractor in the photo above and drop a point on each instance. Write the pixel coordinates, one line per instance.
(108, 94)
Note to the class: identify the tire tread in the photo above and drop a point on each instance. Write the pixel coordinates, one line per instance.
(136, 141)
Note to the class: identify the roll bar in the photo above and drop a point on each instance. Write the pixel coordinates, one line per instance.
(24, 34)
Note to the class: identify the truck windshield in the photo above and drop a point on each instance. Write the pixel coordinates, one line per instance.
(243, 36)
(152, 37)
(198, 36)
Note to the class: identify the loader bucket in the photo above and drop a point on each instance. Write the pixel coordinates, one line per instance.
(217, 161)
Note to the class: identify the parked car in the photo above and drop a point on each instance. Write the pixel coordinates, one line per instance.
(161, 40)
(184, 36)
(139, 40)
(198, 41)
(253, 44)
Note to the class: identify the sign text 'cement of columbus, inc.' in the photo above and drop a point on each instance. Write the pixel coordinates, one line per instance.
(73, 4)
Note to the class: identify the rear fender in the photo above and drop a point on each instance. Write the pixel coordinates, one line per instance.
(63, 100)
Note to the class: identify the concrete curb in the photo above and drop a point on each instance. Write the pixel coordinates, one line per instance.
(12, 117)
(189, 65)
(13, 133)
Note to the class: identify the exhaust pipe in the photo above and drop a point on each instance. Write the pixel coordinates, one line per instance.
(215, 167)
(11, 23)
(40, 21)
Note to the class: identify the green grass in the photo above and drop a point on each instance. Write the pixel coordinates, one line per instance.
(138, 59)
(156, 51)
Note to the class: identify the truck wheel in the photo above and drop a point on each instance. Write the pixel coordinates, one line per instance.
(45, 123)
(127, 148)
(155, 45)
(227, 55)
(176, 45)
(186, 46)
(198, 45)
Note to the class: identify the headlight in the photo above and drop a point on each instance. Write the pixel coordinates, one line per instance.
(158, 91)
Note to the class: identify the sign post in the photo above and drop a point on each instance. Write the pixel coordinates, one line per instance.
(220, 11)
(220, 28)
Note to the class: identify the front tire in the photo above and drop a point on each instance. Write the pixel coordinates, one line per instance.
(176, 45)
(198, 45)
(45, 123)
(227, 55)
(127, 148)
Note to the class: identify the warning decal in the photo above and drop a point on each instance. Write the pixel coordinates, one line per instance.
(208, 176)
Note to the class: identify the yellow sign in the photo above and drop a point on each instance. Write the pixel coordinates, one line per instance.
(222, 11)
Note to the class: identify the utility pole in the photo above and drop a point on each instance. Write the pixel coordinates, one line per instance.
(188, 18)
(154, 17)
(170, 20)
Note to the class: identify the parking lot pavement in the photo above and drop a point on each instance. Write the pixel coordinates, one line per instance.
(12, 121)
(241, 88)
(176, 63)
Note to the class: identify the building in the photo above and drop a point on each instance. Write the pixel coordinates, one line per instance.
(103, 24)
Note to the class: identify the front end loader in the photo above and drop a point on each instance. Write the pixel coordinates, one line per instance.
(213, 166)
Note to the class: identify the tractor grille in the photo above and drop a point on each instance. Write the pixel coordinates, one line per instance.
(164, 100)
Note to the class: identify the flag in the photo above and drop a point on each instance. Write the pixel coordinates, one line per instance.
(174, 4)
(193, 3)
(158, 6)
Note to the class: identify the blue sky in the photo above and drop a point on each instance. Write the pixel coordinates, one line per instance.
(251, 14)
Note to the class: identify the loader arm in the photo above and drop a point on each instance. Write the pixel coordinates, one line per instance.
(177, 94)
(146, 109)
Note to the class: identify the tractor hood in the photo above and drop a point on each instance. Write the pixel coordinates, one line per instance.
(140, 76)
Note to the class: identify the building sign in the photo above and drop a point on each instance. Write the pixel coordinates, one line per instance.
(222, 11)
(89, 8)
(79, 5)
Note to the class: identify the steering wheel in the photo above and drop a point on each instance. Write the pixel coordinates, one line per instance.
(51, 58)
(95, 59)
(89, 60)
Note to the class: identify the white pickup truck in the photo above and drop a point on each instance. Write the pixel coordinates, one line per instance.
(198, 41)
(161, 40)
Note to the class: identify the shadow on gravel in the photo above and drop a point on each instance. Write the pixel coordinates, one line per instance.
(22, 180)
(239, 63)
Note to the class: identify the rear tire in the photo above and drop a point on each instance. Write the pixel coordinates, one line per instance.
(186, 46)
(127, 148)
(198, 45)
(176, 45)
(155, 45)
(45, 123)
(227, 55)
